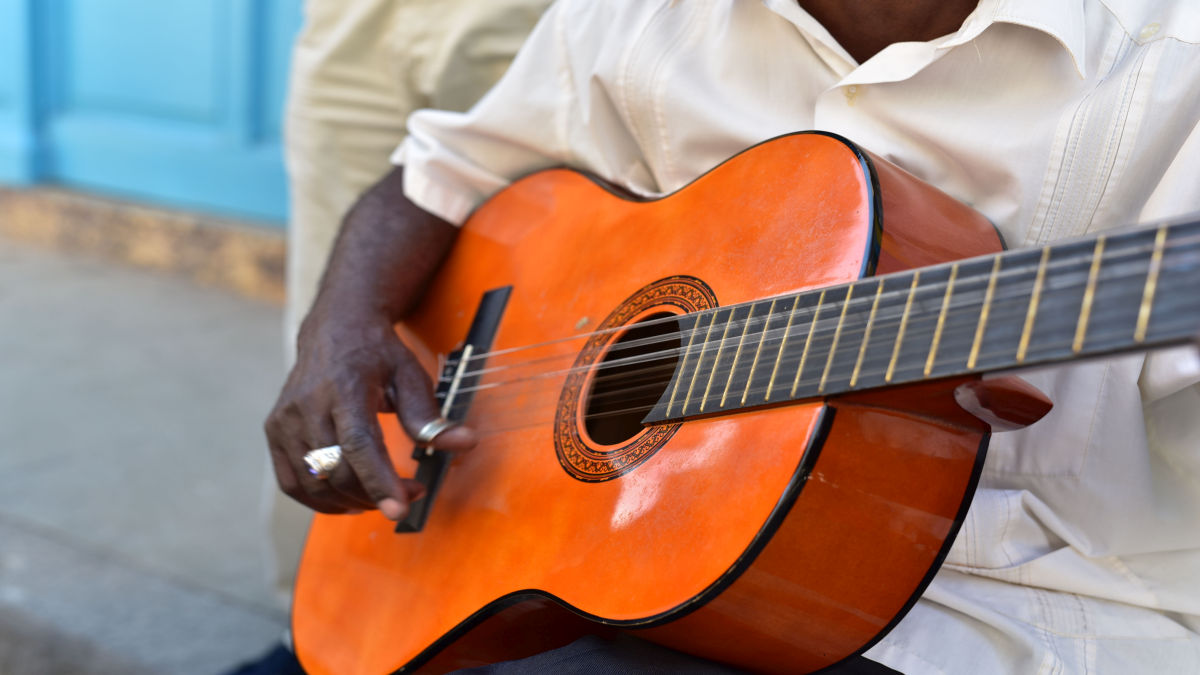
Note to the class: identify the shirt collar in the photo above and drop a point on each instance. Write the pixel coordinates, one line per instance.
(827, 49)
(1062, 20)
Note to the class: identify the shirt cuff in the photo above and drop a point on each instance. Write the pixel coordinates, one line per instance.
(431, 194)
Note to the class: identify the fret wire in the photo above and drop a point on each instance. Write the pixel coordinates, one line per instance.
(1110, 272)
(1110, 266)
(837, 334)
(1143, 321)
(828, 325)
(937, 333)
(782, 344)
(923, 324)
(1189, 322)
(913, 324)
(699, 360)
(1089, 295)
(1182, 227)
(758, 352)
(1034, 298)
(1056, 264)
(717, 360)
(1063, 345)
(1098, 308)
(808, 342)
(916, 319)
(988, 296)
(1098, 311)
(738, 354)
(862, 350)
(1118, 294)
(683, 366)
(903, 324)
(1185, 242)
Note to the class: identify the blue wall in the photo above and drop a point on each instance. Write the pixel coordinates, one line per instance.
(173, 101)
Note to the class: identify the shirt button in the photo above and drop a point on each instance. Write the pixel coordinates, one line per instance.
(1149, 31)
(851, 93)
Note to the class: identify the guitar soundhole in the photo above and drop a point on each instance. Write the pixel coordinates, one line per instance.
(631, 378)
(598, 432)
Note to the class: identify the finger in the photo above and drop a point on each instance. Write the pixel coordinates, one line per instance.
(309, 431)
(285, 475)
(417, 407)
(316, 430)
(295, 486)
(388, 404)
(456, 438)
(364, 451)
(342, 480)
(322, 497)
(286, 430)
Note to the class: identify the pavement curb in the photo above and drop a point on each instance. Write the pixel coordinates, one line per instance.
(242, 257)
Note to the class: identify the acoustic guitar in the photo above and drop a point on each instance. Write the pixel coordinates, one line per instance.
(733, 421)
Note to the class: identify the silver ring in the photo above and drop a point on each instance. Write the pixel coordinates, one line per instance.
(322, 461)
(431, 430)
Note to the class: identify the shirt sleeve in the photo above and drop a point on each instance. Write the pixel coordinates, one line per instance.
(548, 110)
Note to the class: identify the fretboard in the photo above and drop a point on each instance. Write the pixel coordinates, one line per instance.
(1127, 291)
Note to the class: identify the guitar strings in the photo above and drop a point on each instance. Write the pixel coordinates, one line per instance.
(1085, 257)
(922, 329)
(825, 325)
(867, 373)
(1099, 320)
(503, 421)
(860, 302)
(553, 391)
(842, 371)
(855, 327)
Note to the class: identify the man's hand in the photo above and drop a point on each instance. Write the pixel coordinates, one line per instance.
(351, 365)
(344, 376)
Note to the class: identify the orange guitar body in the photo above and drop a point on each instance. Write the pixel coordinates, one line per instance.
(779, 540)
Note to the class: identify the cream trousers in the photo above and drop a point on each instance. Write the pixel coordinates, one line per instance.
(359, 68)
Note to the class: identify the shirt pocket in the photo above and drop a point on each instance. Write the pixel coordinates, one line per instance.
(1094, 143)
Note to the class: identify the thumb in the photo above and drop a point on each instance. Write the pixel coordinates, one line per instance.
(417, 409)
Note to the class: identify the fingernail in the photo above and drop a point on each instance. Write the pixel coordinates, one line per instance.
(391, 509)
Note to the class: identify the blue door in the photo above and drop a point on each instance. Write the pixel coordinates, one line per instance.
(173, 101)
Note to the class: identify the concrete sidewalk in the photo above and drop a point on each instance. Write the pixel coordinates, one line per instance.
(131, 460)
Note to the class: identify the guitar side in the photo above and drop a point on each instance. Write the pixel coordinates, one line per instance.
(780, 539)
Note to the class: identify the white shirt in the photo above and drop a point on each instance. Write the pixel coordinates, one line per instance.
(1081, 551)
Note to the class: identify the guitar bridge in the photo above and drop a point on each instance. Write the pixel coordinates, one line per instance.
(456, 386)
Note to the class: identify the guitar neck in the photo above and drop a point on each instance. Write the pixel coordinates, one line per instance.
(1129, 291)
